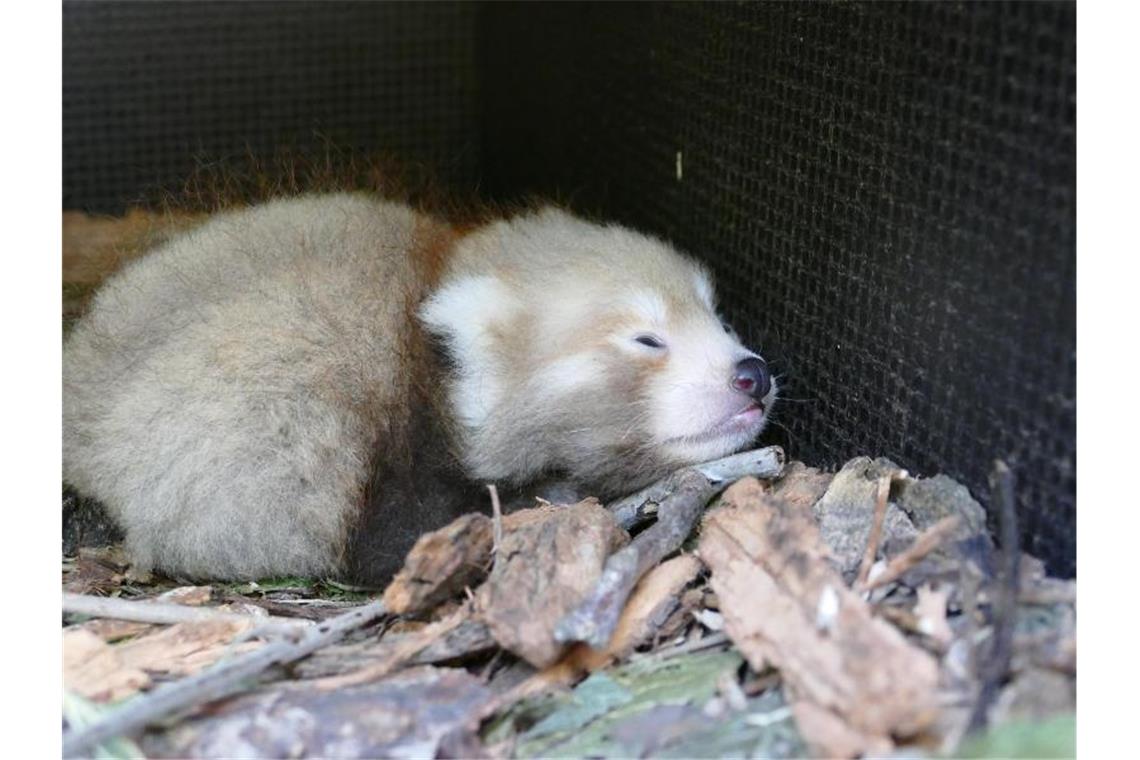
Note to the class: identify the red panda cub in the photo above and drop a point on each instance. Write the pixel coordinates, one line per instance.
(306, 386)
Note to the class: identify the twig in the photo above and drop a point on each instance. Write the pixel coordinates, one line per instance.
(594, 620)
(164, 613)
(928, 541)
(876, 528)
(402, 652)
(996, 665)
(759, 463)
(496, 523)
(698, 645)
(680, 498)
(220, 680)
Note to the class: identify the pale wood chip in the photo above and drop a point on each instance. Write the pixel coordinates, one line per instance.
(93, 668)
(771, 572)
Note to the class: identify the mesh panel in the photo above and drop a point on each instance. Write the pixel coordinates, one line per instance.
(885, 191)
(150, 90)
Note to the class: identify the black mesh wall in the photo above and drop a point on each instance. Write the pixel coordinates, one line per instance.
(885, 191)
(153, 90)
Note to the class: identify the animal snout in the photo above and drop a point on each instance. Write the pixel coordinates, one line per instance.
(752, 377)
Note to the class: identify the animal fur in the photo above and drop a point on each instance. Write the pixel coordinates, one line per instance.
(304, 387)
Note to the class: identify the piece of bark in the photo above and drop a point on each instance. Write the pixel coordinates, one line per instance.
(98, 571)
(115, 630)
(147, 611)
(93, 668)
(221, 680)
(785, 605)
(441, 564)
(181, 649)
(655, 597)
(641, 507)
(400, 654)
(404, 716)
(189, 596)
(594, 619)
(845, 514)
(280, 609)
(930, 500)
(469, 639)
(800, 486)
(549, 561)
(828, 735)
(186, 648)
(925, 544)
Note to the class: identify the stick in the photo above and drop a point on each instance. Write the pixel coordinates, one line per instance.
(996, 665)
(928, 541)
(220, 680)
(705, 642)
(496, 524)
(876, 529)
(594, 620)
(164, 613)
(759, 463)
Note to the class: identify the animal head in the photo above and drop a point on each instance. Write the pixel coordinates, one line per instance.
(591, 352)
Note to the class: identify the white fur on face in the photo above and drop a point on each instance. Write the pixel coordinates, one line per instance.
(543, 315)
(703, 285)
(697, 414)
(467, 311)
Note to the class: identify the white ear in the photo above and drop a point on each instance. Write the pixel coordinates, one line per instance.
(464, 313)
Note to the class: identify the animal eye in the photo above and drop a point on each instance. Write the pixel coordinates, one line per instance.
(650, 340)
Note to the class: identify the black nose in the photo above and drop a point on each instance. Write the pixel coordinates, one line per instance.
(752, 377)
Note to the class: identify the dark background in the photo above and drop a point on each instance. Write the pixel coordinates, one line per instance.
(886, 191)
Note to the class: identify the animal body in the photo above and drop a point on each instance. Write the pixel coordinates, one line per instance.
(304, 387)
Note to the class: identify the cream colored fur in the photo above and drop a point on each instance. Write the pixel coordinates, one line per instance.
(226, 394)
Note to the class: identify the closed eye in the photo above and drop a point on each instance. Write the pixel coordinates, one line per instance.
(652, 341)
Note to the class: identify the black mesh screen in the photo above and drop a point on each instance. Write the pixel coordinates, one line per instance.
(885, 191)
(153, 90)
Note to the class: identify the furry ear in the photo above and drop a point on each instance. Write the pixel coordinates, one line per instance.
(465, 313)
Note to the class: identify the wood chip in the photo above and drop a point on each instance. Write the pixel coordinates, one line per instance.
(846, 514)
(550, 559)
(770, 570)
(651, 602)
(100, 671)
(186, 648)
(405, 716)
(93, 668)
(191, 596)
(116, 630)
(930, 539)
(441, 564)
(399, 655)
(800, 486)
